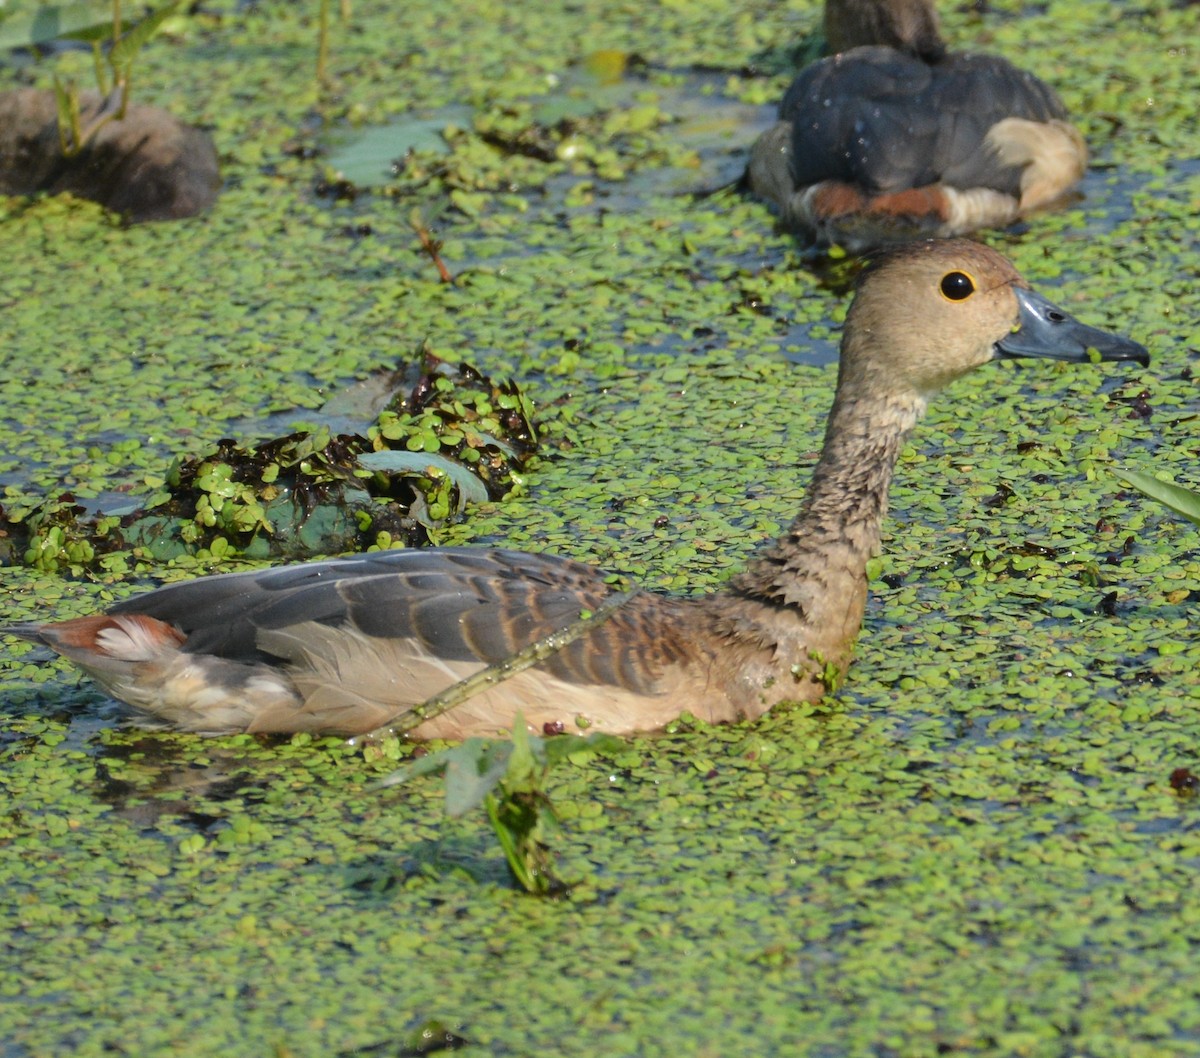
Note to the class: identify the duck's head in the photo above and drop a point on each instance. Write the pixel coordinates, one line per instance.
(910, 26)
(926, 313)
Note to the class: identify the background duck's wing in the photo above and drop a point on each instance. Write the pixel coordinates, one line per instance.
(885, 122)
(974, 93)
(858, 118)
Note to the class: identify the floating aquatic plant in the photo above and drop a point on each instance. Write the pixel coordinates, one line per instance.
(451, 437)
(507, 778)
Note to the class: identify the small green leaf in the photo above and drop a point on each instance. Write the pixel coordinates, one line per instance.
(471, 775)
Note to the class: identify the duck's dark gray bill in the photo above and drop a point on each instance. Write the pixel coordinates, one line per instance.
(1046, 330)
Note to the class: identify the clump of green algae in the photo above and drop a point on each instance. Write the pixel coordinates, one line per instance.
(976, 848)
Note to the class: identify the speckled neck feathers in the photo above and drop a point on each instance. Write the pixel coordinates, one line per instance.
(838, 527)
(797, 608)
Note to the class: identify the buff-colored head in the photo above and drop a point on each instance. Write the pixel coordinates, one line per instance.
(928, 312)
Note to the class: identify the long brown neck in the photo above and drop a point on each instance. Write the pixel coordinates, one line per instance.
(818, 567)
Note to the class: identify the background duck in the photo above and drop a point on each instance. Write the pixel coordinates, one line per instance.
(895, 138)
(349, 645)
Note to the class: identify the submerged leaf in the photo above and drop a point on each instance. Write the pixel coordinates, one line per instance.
(397, 461)
(367, 157)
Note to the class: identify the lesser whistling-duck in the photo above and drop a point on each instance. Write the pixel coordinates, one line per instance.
(352, 644)
(895, 138)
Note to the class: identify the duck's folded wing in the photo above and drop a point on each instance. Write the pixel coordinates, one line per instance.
(974, 94)
(431, 616)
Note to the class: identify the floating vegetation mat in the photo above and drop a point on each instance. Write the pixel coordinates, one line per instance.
(985, 845)
(444, 437)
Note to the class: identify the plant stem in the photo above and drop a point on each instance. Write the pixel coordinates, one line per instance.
(430, 245)
(323, 43)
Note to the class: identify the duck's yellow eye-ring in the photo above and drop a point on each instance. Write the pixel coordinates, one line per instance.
(957, 286)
